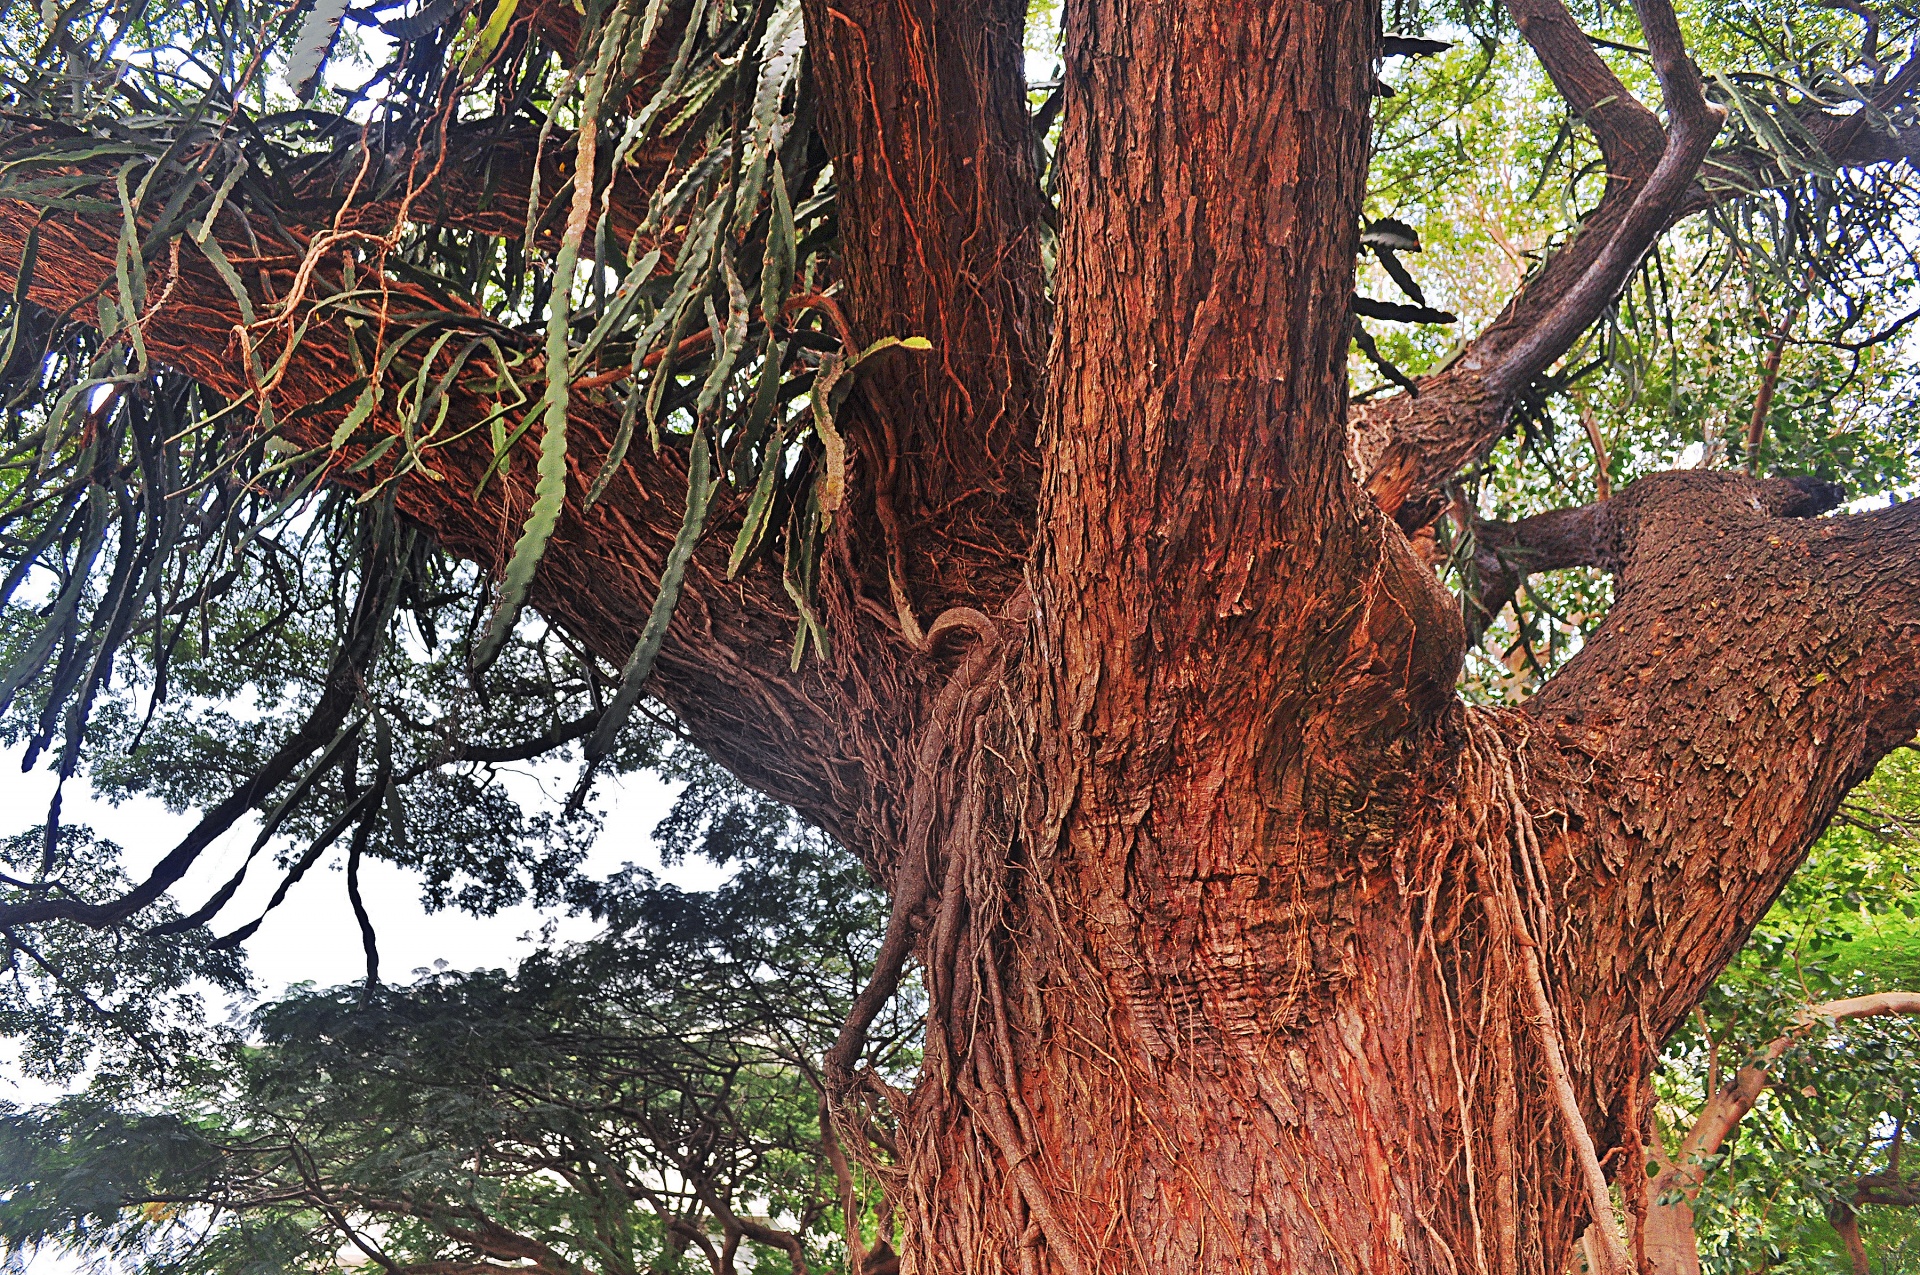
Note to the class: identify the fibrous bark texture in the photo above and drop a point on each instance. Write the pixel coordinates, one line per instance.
(1249, 945)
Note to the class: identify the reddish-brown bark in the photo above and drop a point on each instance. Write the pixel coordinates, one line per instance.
(924, 105)
(1249, 946)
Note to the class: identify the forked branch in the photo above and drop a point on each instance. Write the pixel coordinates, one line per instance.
(1671, 1248)
(1692, 123)
(1409, 446)
(1630, 137)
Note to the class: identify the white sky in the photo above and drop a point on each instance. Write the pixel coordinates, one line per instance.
(312, 936)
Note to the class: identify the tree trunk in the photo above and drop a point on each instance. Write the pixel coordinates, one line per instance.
(1248, 945)
(1183, 1021)
(1244, 924)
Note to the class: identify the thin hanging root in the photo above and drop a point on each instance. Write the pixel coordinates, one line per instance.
(1605, 1226)
(850, 1202)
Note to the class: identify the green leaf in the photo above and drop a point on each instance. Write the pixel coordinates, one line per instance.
(374, 453)
(550, 484)
(754, 528)
(549, 491)
(798, 575)
(766, 401)
(776, 270)
(619, 306)
(369, 400)
(639, 666)
(732, 340)
(489, 39)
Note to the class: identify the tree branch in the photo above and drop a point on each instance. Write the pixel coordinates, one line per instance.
(1408, 446)
(1671, 1246)
(1753, 668)
(1847, 1223)
(1691, 125)
(924, 105)
(723, 666)
(1506, 553)
(358, 647)
(1844, 141)
(1630, 137)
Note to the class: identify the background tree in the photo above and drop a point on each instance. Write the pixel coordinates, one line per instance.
(977, 475)
(646, 1101)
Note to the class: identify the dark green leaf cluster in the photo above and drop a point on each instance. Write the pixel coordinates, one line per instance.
(126, 1000)
(627, 1104)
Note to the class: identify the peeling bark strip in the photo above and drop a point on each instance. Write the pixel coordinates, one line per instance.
(1248, 946)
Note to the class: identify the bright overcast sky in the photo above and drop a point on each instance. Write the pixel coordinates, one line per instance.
(312, 936)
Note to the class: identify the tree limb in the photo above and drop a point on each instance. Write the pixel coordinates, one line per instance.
(1506, 553)
(1691, 125)
(742, 625)
(1671, 1247)
(1630, 137)
(1408, 446)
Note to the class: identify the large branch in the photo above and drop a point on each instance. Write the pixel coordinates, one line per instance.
(1753, 668)
(723, 667)
(1506, 553)
(1199, 522)
(479, 180)
(924, 105)
(1410, 445)
(1691, 125)
(1630, 137)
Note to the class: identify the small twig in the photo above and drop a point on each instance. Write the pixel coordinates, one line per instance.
(1602, 465)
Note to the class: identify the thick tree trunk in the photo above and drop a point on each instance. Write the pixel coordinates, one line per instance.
(1190, 1023)
(1249, 947)
(1237, 924)
(1210, 1016)
(1254, 950)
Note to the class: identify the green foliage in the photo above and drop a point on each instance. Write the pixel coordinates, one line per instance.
(71, 997)
(207, 701)
(1848, 924)
(621, 1103)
